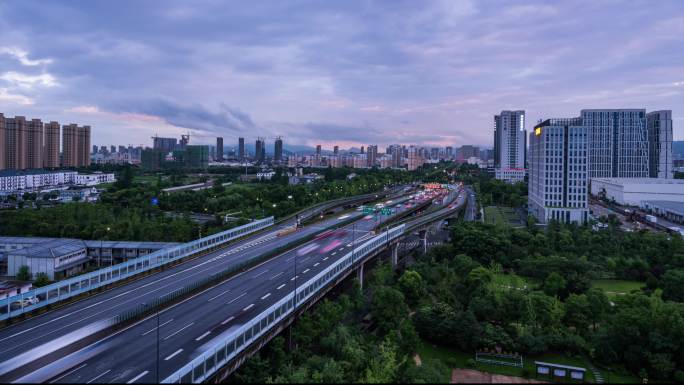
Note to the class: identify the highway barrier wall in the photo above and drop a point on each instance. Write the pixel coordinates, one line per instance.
(59, 291)
(235, 340)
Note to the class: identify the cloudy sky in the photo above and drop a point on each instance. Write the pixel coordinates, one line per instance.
(334, 72)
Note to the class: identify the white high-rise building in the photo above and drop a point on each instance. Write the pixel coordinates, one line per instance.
(659, 127)
(618, 143)
(558, 171)
(510, 144)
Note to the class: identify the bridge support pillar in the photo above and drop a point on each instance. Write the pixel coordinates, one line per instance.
(394, 249)
(359, 275)
(423, 238)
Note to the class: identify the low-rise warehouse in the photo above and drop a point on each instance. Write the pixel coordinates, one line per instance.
(632, 191)
(64, 257)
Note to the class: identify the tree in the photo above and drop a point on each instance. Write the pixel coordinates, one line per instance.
(673, 285)
(388, 308)
(554, 284)
(411, 284)
(23, 274)
(577, 312)
(41, 280)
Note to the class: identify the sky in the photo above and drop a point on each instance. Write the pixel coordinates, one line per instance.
(325, 72)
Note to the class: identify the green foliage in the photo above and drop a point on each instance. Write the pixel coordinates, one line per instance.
(40, 280)
(23, 274)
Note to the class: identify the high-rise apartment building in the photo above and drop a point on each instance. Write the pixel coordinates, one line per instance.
(51, 145)
(659, 127)
(241, 149)
(618, 143)
(336, 150)
(75, 145)
(395, 151)
(510, 145)
(3, 143)
(372, 155)
(469, 151)
(278, 150)
(22, 143)
(259, 150)
(559, 171)
(219, 149)
(414, 158)
(449, 152)
(165, 145)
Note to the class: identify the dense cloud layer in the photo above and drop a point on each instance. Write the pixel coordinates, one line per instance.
(334, 71)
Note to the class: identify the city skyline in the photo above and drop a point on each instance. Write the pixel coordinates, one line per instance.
(430, 76)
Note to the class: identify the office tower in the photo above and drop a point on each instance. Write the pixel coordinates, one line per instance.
(165, 145)
(94, 149)
(278, 150)
(510, 146)
(241, 149)
(258, 149)
(122, 149)
(372, 155)
(659, 127)
(618, 143)
(434, 153)
(449, 152)
(219, 149)
(558, 171)
(362, 149)
(75, 145)
(318, 149)
(51, 148)
(103, 150)
(3, 143)
(112, 149)
(336, 150)
(414, 158)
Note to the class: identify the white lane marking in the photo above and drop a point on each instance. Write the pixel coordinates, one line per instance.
(334, 253)
(218, 295)
(277, 275)
(155, 328)
(107, 371)
(325, 258)
(349, 244)
(266, 296)
(177, 352)
(293, 278)
(341, 248)
(227, 320)
(203, 335)
(289, 259)
(316, 264)
(236, 298)
(260, 274)
(280, 287)
(304, 272)
(303, 259)
(66, 374)
(139, 376)
(251, 305)
(178, 331)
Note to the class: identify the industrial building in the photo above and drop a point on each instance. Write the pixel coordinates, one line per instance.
(632, 191)
(64, 257)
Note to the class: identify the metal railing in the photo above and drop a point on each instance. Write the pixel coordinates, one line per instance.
(235, 340)
(59, 291)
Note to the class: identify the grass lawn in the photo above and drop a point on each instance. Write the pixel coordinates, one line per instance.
(511, 281)
(500, 215)
(457, 359)
(614, 287)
